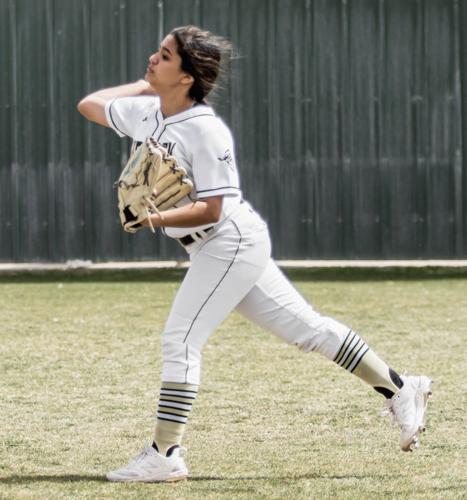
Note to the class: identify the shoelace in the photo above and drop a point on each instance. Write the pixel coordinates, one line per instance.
(148, 449)
(140, 455)
(403, 411)
(389, 410)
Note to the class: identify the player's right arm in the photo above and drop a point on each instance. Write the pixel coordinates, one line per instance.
(92, 106)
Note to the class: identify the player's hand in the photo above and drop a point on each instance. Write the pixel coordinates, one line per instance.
(147, 89)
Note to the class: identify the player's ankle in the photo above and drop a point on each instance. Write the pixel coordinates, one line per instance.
(397, 381)
(169, 450)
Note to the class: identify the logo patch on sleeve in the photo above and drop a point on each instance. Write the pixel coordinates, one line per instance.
(227, 158)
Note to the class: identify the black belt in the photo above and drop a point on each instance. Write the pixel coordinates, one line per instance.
(188, 239)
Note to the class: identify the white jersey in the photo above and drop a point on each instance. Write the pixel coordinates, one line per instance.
(201, 142)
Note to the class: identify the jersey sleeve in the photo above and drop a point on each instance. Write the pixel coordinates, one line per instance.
(214, 167)
(124, 114)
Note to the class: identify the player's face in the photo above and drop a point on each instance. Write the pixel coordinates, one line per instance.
(164, 69)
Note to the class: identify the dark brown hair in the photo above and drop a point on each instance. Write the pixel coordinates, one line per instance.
(202, 55)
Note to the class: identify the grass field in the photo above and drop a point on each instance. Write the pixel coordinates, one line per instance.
(80, 366)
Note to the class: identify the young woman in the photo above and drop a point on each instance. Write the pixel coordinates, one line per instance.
(229, 248)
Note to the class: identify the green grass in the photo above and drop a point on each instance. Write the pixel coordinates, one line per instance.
(80, 365)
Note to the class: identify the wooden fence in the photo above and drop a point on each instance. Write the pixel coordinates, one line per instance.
(349, 118)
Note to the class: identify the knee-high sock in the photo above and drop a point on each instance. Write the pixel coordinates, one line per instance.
(175, 404)
(355, 356)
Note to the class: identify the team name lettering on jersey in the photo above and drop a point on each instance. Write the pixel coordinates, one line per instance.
(169, 146)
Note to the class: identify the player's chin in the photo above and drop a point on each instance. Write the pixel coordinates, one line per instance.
(149, 76)
(151, 80)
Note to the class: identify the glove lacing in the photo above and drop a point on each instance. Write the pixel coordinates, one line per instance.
(149, 202)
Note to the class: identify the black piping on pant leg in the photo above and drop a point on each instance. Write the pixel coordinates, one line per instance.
(212, 293)
(218, 284)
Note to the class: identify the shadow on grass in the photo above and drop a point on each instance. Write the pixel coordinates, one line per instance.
(177, 274)
(289, 478)
(62, 478)
(76, 478)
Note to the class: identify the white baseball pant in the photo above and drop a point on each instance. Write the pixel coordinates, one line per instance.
(232, 269)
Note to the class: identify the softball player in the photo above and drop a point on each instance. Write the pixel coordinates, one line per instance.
(229, 248)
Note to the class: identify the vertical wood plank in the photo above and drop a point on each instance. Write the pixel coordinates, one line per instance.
(349, 118)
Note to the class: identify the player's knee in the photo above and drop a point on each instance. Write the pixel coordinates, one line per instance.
(324, 336)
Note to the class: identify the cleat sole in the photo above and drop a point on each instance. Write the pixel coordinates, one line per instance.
(175, 479)
(139, 480)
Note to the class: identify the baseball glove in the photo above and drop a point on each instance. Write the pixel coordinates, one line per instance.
(151, 181)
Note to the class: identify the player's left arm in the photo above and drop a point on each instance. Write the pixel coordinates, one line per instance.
(198, 213)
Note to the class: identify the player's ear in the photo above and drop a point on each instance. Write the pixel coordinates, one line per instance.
(187, 79)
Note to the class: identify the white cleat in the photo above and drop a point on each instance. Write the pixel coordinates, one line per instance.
(151, 467)
(408, 408)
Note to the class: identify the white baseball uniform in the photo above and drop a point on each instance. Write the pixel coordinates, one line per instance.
(231, 267)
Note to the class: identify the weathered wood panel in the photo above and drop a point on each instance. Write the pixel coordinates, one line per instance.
(348, 116)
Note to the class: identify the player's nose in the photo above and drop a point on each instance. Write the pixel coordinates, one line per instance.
(154, 58)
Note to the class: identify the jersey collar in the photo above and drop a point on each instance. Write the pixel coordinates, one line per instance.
(198, 110)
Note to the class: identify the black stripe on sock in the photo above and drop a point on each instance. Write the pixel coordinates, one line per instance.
(170, 420)
(345, 348)
(173, 414)
(350, 350)
(355, 355)
(342, 346)
(162, 400)
(358, 362)
(176, 396)
(164, 407)
(178, 390)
